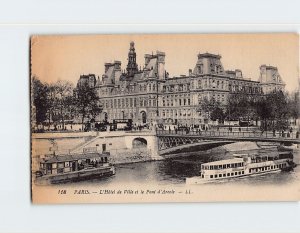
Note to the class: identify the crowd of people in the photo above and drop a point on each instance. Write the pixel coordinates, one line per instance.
(172, 128)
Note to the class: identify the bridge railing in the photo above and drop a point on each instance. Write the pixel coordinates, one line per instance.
(229, 134)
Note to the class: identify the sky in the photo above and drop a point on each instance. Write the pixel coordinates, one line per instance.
(66, 57)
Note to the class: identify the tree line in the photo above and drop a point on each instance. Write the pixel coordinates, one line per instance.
(273, 109)
(59, 102)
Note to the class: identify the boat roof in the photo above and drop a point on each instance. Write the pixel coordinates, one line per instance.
(73, 157)
(265, 154)
(225, 161)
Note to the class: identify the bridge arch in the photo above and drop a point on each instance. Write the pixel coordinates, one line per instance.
(139, 143)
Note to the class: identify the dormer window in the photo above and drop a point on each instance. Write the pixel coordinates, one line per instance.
(200, 69)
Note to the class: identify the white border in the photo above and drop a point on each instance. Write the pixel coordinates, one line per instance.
(20, 20)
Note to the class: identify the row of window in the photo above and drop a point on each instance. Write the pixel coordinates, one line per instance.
(172, 113)
(129, 102)
(223, 166)
(219, 98)
(175, 102)
(213, 69)
(129, 89)
(208, 83)
(247, 89)
(179, 87)
(267, 168)
(231, 174)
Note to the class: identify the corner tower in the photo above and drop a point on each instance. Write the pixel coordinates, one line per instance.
(270, 79)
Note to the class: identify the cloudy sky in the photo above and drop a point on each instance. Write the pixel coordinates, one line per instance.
(66, 57)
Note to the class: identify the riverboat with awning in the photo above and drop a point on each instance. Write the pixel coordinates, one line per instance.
(74, 167)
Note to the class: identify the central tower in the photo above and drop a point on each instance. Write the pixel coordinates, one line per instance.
(132, 67)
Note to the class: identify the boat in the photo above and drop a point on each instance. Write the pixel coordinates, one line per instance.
(73, 167)
(243, 165)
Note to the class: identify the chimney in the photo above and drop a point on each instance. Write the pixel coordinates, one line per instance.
(117, 65)
(147, 59)
(106, 65)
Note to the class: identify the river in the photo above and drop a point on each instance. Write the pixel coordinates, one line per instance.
(174, 171)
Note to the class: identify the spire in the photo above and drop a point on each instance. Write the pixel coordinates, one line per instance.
(132, 67)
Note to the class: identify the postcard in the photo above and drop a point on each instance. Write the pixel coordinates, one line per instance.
(164, 118)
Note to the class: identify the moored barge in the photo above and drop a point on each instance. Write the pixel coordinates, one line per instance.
(74, 167)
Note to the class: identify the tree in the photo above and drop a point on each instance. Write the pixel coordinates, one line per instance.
(40, 100)
(239, 105)
(51, 99)
(63, 98)
(213, 109)
(273, 109)
(294, 105)
(263, 110)
(87, 102)
(217, 114)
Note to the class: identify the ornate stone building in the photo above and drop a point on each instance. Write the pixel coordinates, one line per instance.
(149, 94)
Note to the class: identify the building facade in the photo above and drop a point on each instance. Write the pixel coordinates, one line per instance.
(149, 95)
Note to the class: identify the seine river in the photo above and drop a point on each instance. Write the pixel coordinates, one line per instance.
(175, 170)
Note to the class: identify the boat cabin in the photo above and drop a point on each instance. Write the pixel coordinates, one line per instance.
(270, 156)
(223, 164)
(68, 163)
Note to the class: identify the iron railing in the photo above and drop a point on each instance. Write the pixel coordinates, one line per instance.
(229, 134)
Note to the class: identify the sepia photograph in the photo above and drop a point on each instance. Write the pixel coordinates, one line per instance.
(139, 118)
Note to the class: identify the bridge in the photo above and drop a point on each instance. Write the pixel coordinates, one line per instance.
(170, 141)
(154, 143)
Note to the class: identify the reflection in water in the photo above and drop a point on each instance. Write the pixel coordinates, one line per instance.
(174, 171)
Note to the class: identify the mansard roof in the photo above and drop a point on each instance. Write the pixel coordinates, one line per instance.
(211, 55)
(270, 74)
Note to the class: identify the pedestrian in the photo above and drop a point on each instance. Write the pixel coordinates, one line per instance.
(297, 134)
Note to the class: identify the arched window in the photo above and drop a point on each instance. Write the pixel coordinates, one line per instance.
(105, 116)
(144, 117)
(199, 84)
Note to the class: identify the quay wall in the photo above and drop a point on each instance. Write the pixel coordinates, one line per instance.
(120, 144)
